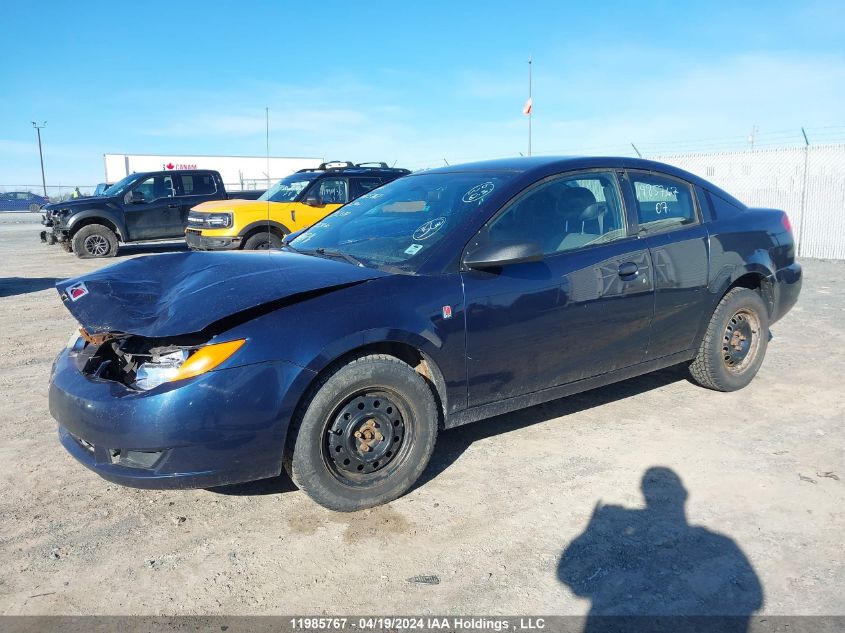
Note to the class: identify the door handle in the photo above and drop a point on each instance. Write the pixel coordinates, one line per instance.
(628, 270)
(173, 206)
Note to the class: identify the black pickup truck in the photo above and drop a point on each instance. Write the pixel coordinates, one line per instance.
(143, 206)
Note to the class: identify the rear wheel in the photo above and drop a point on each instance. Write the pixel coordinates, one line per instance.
(34, 208)
(94, 240)
(262, 242)
(365, 436)
(735, 343)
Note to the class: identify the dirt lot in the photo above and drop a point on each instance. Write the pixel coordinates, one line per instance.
(487, 527)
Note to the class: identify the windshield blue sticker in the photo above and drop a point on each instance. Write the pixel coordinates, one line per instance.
(413, 249)
(428, 229)
(479, 192)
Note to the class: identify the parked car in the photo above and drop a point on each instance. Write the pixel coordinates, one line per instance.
(293, 203)
(143, 206)
(442, 298)
(100, 189)
(22, 201)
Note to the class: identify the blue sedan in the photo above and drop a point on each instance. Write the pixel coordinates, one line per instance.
(22, 201)
(442, 298)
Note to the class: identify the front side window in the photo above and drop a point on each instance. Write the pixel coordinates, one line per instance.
(288, 189)
(662, 202)
(563, 213)
(156, 187)
(334, 191)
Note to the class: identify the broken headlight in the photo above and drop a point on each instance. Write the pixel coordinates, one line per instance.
(171, 364)
(75, 341)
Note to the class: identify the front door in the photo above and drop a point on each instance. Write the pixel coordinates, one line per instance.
(584, 310)
(155, 211)
(331, 194)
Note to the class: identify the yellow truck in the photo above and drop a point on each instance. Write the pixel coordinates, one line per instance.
(292, 204)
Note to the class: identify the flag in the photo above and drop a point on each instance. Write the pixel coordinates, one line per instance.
(527, 109)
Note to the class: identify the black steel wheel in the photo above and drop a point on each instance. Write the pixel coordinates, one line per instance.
(365, 434)
(365, 437)
(741, 341)
(734, 345)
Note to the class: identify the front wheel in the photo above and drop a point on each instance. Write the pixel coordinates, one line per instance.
(735, 343)
(262, 242)
(365, 436)
(94, 240)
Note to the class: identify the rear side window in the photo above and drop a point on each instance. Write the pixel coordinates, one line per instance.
(721, 208)
(360, 186)
(198, 184)
(662, 202)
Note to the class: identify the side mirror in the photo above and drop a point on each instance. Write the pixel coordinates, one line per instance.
(136, 197)
(499, 254)
(313, 200)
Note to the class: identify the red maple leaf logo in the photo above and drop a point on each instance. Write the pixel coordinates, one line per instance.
(169, 166)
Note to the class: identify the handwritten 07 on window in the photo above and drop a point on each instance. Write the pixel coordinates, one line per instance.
(662, 202)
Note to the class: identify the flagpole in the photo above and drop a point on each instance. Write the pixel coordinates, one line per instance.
(531, 111)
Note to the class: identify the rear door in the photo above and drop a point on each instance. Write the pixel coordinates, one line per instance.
(669, 219)
(363, 184)
(154, 216)
(584, 310)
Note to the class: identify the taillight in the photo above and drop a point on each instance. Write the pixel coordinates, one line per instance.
(786, 223)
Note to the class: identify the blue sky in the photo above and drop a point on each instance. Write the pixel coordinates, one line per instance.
(409, 82)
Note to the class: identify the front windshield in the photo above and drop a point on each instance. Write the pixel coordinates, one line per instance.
(287, 189)
(399, 224)
(118, 187)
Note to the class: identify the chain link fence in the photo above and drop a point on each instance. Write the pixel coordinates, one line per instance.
(56, 193)
(806, 182)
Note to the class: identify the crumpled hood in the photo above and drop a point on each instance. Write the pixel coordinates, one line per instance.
(184, 293)
(73, 203)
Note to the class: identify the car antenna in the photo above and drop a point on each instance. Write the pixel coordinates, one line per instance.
(267, 149)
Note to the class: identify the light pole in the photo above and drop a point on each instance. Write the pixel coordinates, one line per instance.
(40, 154)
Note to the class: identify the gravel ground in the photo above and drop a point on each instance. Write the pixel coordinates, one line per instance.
(487, 528)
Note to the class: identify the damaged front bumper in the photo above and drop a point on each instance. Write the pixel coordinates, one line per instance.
(53, 234)
(225, 426)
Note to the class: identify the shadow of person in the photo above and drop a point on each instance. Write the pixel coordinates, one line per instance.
(649, 570)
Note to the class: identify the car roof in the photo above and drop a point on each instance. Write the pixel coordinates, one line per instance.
(545, 165)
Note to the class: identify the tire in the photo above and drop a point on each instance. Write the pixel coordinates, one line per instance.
(34, 208)
(94, 240)
(377, 401)
(735, 342)
(263, 241)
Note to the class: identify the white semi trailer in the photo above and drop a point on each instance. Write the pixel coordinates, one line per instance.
(238, 172)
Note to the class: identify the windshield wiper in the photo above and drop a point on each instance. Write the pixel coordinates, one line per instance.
(328, 252)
